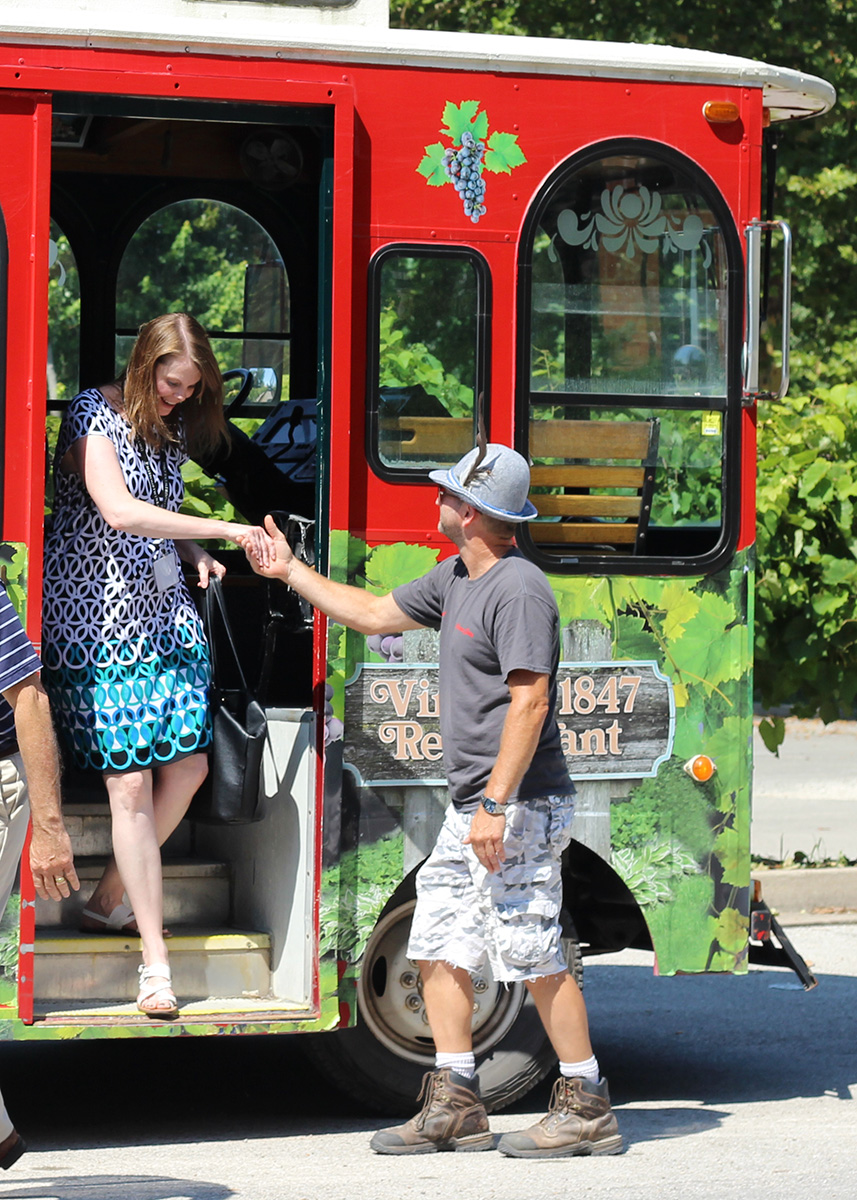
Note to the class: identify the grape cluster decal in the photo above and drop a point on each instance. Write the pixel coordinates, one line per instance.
(473, 151)
(464, 167)
(390, 646)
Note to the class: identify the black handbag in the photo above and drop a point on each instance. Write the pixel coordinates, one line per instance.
(230, 793)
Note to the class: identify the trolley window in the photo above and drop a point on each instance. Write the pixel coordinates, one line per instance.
(216, 262)
(628, 409)
(428, 352)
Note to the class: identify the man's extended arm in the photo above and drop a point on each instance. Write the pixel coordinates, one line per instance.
(50, 848)
(347, 605)
(529, 704)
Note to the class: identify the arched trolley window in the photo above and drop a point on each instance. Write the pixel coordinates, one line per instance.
(216, 262)
(629, 388)
(429, 314)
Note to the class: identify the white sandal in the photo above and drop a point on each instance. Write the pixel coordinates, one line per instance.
(148, 990)
(114, 922)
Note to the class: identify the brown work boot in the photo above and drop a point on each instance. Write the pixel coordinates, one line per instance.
(579, 1121)
(452, 1117)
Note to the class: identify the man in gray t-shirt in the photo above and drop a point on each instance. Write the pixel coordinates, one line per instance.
(490, 893)
(502, 621)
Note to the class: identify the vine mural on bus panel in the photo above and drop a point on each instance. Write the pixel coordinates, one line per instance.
(473, 151)
(677, 683)
(13, 567)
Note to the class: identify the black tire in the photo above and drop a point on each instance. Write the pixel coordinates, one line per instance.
(381, 1061)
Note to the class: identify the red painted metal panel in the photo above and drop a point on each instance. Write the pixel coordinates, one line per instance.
(25, 122)
(551, 117)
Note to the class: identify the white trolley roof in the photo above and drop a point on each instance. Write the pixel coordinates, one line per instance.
(359, 32)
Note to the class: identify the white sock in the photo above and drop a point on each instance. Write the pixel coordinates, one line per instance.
(582, 1070)
(462, 1064)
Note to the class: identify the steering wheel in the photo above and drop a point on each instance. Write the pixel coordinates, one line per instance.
(246, 376)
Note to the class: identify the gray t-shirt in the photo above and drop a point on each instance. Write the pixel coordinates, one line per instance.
(503, 621)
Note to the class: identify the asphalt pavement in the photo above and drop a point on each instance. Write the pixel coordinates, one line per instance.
(726, 1088)
(734, 1088)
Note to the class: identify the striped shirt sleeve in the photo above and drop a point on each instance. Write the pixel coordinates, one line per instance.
(18, 660)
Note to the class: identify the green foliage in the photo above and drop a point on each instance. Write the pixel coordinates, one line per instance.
(805, 620)
(353, 892)
(677, 929)
(405, 363)
(190, 257)
(653, 871)
(671, 830)
(772, 731)
(671, 802)
(807, 588)
(63, 320)
(661, 834)
(9, 937)
(13, 560)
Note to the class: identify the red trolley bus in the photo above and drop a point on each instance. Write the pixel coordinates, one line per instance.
(378, 227)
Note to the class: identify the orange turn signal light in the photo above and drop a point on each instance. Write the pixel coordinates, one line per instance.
(700, 768)
(720, 112)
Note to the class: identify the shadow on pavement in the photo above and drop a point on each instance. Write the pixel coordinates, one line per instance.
(115, 1187)
(719, 1039)
(662, 1043)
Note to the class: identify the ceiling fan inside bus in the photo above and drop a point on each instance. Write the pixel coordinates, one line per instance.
(271, 158)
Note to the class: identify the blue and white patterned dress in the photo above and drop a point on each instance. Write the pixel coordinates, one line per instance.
(126, 665)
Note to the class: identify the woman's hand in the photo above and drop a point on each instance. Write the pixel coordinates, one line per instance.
(201, 561)
(257, 544)
(279, 559)
(206, 567)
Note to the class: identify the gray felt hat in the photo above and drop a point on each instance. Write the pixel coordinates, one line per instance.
(499, 487)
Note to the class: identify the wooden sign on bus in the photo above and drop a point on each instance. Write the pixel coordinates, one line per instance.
(616, 720)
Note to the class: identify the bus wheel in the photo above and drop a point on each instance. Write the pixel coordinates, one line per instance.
(382, 1060)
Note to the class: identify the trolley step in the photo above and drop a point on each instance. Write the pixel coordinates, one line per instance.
(73, 968)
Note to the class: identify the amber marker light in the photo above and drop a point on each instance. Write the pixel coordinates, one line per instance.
(720, 112)
(700, 768)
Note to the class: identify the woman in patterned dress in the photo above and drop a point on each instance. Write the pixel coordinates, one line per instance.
(124, 655)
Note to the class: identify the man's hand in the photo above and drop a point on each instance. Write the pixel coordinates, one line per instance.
(52, 863)
(486, 838)
(277, 567)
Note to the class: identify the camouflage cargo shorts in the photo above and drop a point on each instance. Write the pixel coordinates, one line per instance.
(508, 921)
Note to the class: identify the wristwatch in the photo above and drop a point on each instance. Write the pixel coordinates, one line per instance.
(494, 807)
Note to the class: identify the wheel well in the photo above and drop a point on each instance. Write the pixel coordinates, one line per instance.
(407, 890)
(605, 914)
(602, 909)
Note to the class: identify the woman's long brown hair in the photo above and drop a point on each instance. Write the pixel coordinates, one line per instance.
(174, 335)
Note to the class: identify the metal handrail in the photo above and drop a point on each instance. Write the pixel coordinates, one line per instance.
(752, 341)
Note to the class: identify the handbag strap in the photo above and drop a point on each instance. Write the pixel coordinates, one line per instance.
(272, 630)
(214, 603)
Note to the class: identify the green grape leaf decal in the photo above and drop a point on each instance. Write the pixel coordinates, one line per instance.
(472, 152)
(503, 153)
(464, 118)
(432, 165)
